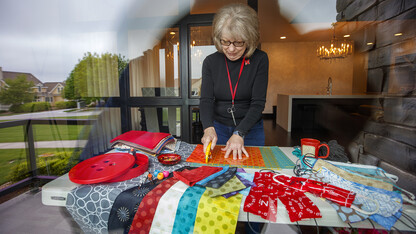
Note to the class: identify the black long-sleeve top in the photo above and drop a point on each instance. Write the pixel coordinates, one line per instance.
(250, 96)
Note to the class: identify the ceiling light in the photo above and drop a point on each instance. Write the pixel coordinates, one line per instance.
(282, 37)
(334, 49)
(370, 43)
(398, 34)
(347, 35)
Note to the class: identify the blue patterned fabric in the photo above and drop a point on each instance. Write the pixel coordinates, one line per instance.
(390, 203)
(222, 179)
(187, 208)
(213, 176)
(90, 205)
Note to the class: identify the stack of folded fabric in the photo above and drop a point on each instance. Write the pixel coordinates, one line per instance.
(150, 142)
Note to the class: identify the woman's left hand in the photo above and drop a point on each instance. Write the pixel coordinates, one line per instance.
(236, 145)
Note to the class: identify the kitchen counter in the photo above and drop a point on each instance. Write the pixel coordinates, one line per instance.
(290, 106)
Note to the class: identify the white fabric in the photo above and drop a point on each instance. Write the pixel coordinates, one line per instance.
(166, 209)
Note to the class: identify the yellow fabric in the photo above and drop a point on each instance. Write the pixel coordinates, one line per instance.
(234, 184)
(218, 214)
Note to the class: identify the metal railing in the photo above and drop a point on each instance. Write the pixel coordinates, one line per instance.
(30, 146)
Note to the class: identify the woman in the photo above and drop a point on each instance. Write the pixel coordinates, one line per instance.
(234, 83)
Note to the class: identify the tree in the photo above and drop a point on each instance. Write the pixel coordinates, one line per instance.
(19, 91)
(94, 76)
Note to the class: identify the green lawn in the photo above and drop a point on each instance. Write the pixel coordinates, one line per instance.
(48, 132)
(12, 157)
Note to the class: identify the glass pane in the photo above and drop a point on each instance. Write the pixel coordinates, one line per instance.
(207, 7)
(157, 119)
(13, 166)
(156, 72)
(197, 131)
(201, 46)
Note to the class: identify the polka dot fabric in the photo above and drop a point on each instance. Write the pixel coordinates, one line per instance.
(145, 212)
(166, 210)
(222, 179)
(187, 208)
(217, 215)
(234, 184)
(213, 176)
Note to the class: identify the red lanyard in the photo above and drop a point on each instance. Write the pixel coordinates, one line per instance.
(229, 79)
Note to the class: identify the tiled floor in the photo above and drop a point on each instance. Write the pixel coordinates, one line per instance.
(26, 213)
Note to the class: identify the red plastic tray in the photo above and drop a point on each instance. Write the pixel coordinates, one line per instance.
(169, 159)
(101, 168)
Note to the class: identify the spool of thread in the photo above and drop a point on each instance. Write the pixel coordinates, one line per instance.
(165, 174)
(160, 176)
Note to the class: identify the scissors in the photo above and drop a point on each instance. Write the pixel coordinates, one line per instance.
(208, 152)
(231, 110)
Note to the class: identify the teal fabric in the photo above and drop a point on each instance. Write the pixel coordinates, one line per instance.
(187, 208)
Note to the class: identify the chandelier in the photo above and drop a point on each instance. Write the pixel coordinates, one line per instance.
(334, 49)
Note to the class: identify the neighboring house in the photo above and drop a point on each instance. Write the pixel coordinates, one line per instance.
(45, 92)
(53, 92)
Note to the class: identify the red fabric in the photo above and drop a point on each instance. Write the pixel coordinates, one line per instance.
(191, 177)
(297, 204)
(262, 199)
(143, 138)
(333, 193)
(142, 221)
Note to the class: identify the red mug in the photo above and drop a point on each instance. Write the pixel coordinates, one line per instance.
(311, 146)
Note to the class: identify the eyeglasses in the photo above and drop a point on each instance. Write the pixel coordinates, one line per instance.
(235, 43)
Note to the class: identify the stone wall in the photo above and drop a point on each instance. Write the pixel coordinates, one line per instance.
(385, 31)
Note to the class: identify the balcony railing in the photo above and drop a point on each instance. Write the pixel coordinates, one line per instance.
(29, 140)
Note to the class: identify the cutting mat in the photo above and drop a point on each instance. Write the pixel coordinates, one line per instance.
(260, 157)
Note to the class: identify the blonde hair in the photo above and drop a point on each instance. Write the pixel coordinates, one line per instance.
(241, 22)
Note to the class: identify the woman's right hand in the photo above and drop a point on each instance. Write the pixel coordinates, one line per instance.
(210, 135)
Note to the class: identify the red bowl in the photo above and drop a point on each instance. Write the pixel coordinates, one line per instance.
(169, 159)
